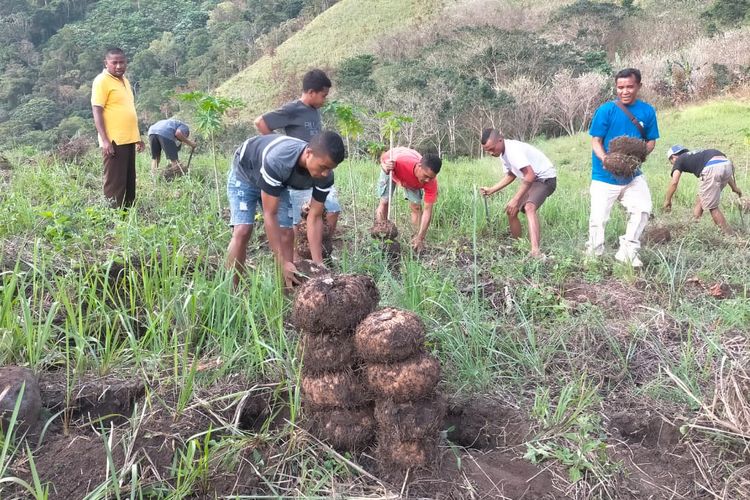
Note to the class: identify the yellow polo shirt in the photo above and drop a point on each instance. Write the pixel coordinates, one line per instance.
(116, 97)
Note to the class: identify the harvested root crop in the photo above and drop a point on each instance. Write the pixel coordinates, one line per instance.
(389, 335)
(657, 235)
(344, 429)
(630, 146)
(302, 244)
(397, 454)
(621, 165)
(411, 420)
(334, 303)
(412, 379)
(384, 230)
(326, 353)
(333, 390)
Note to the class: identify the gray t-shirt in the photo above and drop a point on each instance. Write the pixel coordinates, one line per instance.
(296, 118)
(270, 163)
(168, 128)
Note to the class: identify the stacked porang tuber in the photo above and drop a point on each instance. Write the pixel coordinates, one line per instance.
(403, 379)
(625, 156)
(386, 232)
(326, 312)
(302, 245)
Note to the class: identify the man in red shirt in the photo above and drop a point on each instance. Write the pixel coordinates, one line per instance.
(417, 174)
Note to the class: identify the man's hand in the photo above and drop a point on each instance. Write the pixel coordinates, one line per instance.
(108, 149)
(512, 207)
(417, 243)
(667, 207)
(139, 146)
(388, 166)
(289, 272)
(486, 191)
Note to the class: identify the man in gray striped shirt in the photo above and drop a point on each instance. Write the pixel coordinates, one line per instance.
(262, 169)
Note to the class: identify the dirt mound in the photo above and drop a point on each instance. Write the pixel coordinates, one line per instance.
(328, 390)
(485, 423)
(389, 335)
(171, 173)
(12, 380)
(74, 150)
(621, 165)
(91, 397)
(412, 419)
(384, 230)
(344, 429)
(307, 269)
(656, 235)
(630, 146)
(326, 353)
(397, 454)
(616, 298)
(334, 304)
(412, 379)
(503, 474)
(650, 431)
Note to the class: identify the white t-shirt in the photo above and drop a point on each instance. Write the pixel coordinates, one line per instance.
(519, 154)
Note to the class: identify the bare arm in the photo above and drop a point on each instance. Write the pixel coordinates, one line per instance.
(183, 138)
(505, 181)
(315, 230)
(597, 144)
(273, 232)
(733, 186)
(98, 112)
(260, 125)
(671, 189)
(418, 241)
(650, 145)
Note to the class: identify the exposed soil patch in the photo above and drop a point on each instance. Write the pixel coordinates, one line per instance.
(89, 396)
(484, 423)
(616, 298)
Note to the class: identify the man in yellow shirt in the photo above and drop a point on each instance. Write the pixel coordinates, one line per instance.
(113, 105)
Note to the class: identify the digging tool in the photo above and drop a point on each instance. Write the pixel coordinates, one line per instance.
(390, 178)
(192, 150)
(486, 209)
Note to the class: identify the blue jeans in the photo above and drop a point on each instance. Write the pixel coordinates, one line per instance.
(299, 197)
(244, 199)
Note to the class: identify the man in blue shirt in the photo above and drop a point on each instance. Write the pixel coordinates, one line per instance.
(167, 135)
(612, 120)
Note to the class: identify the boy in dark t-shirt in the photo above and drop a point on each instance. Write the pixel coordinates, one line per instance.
(301, 119)
(263, 169)
(714, 170)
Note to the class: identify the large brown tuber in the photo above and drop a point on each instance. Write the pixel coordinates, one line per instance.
(334, 303)
(389, 335)
(412, 379)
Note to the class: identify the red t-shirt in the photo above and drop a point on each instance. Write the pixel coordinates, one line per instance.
(403, 174)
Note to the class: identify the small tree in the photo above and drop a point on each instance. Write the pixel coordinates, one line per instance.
(390, 125)
(351, 126)
(209, 112)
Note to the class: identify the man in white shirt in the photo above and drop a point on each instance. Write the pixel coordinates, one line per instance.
(538, 181)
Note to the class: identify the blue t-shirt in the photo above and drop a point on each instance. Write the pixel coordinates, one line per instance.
(168, 128)
(610, 122)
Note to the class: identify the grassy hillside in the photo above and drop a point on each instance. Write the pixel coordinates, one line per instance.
(346, 29)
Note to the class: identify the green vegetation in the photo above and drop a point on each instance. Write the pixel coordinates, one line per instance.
(84, 289)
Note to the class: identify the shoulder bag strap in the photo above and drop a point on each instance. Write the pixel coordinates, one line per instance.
(631, 118)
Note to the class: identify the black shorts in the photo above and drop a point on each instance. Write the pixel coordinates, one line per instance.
(159, 143)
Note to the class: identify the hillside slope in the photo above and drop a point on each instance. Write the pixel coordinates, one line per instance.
(346, 29)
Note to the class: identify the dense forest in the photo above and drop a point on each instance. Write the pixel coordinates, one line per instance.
(532, 67)
(50, 50)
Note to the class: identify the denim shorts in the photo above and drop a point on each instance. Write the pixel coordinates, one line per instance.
(299, 197)
(244, 199)
(412, 195)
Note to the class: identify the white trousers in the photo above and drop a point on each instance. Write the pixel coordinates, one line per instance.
(635, 197)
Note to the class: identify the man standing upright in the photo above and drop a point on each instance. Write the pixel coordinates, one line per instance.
(538, 181)
(113, 106)
(625, 116)
(301, 119)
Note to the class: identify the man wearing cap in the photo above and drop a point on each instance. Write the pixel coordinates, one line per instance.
(713, 169)
(538, 181)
